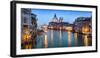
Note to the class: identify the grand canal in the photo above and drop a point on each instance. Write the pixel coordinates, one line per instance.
(58, 38)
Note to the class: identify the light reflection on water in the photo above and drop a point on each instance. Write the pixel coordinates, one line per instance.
(53, 39)
(45, 41)
(63, 39)
(85, 40)
(69, 38)
(76, 39)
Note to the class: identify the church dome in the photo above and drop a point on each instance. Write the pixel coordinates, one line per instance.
(55, 19)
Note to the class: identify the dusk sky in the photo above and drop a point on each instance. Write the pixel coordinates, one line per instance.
(44, 16)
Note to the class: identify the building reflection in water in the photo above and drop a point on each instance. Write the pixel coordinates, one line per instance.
(69, 38)
(76, 38)
(60, 38)
(85, 37)
(45, 41)
(28, 46)
(86, 31)
(51, 38)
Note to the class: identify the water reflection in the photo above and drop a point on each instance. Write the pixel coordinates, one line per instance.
(76, 38)
(69, 38)
(29, 46)
(51, 38)
(45, 41)
(59, 38)
(86, 43)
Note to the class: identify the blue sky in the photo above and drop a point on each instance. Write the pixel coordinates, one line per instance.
(44, 15)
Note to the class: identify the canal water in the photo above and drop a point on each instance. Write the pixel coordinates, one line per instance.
(58, 38)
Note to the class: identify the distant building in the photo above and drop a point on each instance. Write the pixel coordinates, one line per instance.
(57, 20)
(57, 23)
(44, 27)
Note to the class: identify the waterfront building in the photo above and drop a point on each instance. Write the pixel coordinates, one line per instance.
(28, 19)
(44, 27)
(82, 23)
(28, 27)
